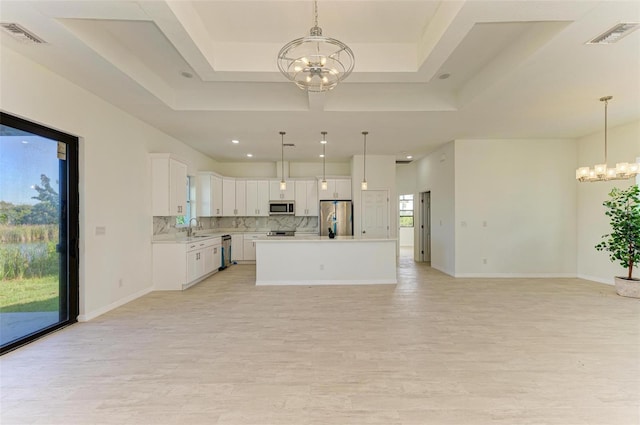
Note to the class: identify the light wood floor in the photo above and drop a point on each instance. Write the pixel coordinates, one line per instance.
(431, 350)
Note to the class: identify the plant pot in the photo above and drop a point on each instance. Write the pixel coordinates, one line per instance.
(628, 288)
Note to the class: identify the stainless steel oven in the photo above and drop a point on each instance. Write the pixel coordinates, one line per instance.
(282, 208)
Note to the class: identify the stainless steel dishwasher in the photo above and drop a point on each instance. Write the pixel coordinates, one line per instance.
(226, 252)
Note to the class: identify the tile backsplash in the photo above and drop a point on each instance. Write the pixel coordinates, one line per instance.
(167, 225)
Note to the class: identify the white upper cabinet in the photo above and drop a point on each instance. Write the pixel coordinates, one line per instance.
(257, 198)
(306, 199)
(216, 196)
(336, 189)
(209, 197)
(234, 201)
(275, 194)
(169, 186)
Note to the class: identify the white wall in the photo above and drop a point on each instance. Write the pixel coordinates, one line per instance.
(623, 146)
(405, 236)
(515, 208)
(435, 173)
(115, 177)
(381, 175)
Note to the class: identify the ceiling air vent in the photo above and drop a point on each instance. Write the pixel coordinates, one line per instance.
(289, 145)
(403, 161)
(616, 33)
(20, 33)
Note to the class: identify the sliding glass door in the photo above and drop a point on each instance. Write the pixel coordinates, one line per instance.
(38, 230)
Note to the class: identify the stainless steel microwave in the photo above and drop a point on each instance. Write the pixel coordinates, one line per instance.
(281, 208)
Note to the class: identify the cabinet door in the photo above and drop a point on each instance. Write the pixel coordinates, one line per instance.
(237, 246)
(252, 198)
(329, 193)
(211, 258)
(275, 194)
(216, 196)
(263, 198)
(194, 265)
(312, 198)
(177, 188)
(228, 197)
(343, 189)
(249, 251)
(301, 198)
(241, 198)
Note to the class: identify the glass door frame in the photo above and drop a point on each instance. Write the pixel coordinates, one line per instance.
(69, 224)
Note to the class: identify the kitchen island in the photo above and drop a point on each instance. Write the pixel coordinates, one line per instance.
(318, 260)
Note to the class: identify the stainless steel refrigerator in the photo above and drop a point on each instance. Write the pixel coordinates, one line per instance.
(337, 215)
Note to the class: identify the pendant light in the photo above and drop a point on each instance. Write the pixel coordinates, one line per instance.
(600, 172)
(283, 184)
(364, 162)
(323, 184)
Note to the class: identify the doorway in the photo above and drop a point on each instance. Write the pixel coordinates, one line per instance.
(38, 231)
(425, 227)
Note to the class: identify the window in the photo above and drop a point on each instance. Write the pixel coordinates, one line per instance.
(183, 220)
(406, 210)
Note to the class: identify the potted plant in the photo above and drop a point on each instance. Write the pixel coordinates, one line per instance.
(623, 243)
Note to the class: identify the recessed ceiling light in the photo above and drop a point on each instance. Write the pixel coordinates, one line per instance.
(409, 156)
(186, 74)
(321, 155)
(235, 142)
(250, 155)
(24, 142)
(324, 142)
(444, 76)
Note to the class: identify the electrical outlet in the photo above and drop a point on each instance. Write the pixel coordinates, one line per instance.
(484, 261)
(321, 266)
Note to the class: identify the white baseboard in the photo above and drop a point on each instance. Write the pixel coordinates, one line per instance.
(597, 279)
(92, 315)
(517, 275)
(325, 282)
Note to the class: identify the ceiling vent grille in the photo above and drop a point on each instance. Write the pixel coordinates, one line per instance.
(616, 33)
(403, 161)
(20, 33)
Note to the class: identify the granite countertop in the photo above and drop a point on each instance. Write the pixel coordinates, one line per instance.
(182, 237)
(316, 238)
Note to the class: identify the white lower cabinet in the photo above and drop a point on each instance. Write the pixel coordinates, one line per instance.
(177, 266)
(249, 250)
(237, 246)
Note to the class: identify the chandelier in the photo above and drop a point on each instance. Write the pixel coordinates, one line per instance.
(601, 172)
(316, 63)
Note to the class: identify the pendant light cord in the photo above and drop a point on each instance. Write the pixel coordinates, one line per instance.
(315, 13)
(364, 157)
(282, 133)
(606, 100)
(606, 104)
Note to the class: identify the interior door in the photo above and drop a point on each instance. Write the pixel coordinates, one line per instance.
(375, 214)
(425, 226)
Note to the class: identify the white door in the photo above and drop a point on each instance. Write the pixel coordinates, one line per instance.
(425, 226)
(375, 214)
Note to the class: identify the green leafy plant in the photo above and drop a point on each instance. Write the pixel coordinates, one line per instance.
(623, 243)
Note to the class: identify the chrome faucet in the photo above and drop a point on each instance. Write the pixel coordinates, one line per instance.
(190, 229)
